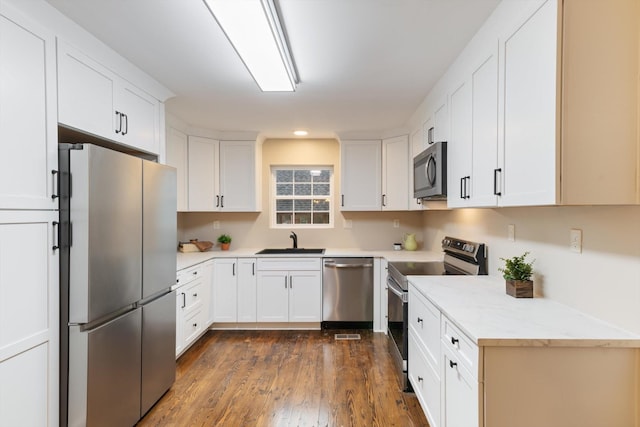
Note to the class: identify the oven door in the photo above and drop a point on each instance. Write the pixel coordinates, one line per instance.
(398, 336)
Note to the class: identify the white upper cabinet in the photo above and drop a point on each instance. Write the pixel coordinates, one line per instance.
(238, 176)
(416, 146)
(93, 99)
(373, 175)
(28, 119)
(178, 157)
(222, 175)
(203, 174)
(528, 117)
(534, 98)
(361, 175)
(395, 181)
(441, 122)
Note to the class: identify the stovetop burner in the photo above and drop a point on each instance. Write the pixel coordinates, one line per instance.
(461, 257)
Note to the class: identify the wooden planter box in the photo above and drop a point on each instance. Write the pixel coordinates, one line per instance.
(520, 288)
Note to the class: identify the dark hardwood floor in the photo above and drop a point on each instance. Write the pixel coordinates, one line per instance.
(286, 378)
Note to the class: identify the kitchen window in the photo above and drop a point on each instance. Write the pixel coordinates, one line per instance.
(302, 196)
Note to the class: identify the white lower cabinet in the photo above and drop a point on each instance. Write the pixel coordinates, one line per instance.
(191, 307)
(425, 381)
(234, 290)
(289, 290)
(29, 316)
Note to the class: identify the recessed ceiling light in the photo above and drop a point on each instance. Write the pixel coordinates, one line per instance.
(300, 133)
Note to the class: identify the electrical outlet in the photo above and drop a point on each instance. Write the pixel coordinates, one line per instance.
(575, 240)
(348, 223)
(511, 232)
(396, 223)
(216, 225)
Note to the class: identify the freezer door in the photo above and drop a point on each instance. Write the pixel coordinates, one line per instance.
(158, 349)
(105, 268)
(104, 373)
(159, 228)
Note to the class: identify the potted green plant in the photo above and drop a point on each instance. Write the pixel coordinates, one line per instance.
(517, 274)
(225, 241)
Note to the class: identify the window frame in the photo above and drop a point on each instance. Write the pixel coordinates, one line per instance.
(273, 197)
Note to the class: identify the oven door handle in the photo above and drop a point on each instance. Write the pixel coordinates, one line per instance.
(394, 289)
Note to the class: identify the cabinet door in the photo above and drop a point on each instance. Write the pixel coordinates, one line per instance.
(207, 291)
(459, 147)
(416, 146)
(529, 90)
(273, 296)
(305, 296)
(484, 131)
(441, 123)
(425, 381)
(395, 180)
(461, 398)
(177, 157)
(203, 174)
(247, 308)
(361, 175)
(85, 93)
(237, 176)
(29, 318)
(28, 121)
(225, 292)
(140, 126)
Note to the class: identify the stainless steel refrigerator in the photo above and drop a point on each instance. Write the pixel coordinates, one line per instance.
(118, 262)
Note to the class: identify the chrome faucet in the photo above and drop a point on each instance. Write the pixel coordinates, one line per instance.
(294, 236)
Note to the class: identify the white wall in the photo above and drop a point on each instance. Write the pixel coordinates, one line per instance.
(603, 280)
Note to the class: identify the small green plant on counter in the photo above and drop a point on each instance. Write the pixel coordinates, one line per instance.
(517, 268)
(224, 238)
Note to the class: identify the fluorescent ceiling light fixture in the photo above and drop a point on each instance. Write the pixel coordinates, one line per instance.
(255, 31)
(300, 133)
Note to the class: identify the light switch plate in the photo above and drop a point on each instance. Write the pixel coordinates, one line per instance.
(396, 223)
(511, 232)
(216, 225)
(575, 240)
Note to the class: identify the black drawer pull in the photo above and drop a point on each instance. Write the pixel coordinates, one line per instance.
(454, 340)
(452, 364)
(420, 320)
(420, 379)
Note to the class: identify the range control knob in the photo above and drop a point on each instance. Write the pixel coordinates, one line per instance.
(470, 248)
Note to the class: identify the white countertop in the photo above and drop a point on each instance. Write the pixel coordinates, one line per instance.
(480, 307)
(188, 259)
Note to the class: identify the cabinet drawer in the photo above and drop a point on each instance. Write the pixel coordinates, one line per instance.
(188, 275)
(190, 296)
(462, 393)
(424, 320)
(289, 264)
(425, 381)
(462, 349)
(193, 326)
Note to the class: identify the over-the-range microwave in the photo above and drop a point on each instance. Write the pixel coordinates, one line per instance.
(430, 173)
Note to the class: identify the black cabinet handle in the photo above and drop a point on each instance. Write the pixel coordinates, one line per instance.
(291, 282)
(222, 201)
(420, 379)
(384, 198)
(461, 188)
(233, 269)
(342, 200)
(454, 340)
(217, 201)
(495, 181)
(420, 320)
(55, 184)
(467, 184)
(452, 364)
(126, 125)
(184, 300)
(195, 325)
(253, 269)
(195, 273)
(119, 129)
(56, 236)
(285, 282)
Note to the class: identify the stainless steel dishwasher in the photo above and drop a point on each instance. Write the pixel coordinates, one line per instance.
(347, 292)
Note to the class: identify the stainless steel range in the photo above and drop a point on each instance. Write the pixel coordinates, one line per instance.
(461, 257)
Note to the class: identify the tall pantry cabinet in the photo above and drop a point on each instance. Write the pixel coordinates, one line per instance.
(29, 338)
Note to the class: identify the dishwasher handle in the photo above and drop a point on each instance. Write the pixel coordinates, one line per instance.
(335, 265)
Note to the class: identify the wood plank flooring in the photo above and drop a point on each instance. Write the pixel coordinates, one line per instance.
(286, 378)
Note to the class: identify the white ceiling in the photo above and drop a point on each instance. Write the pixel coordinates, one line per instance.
(364, 65)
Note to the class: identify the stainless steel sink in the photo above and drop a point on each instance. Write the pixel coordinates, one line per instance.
(288, 251)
